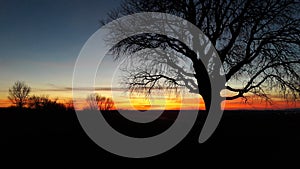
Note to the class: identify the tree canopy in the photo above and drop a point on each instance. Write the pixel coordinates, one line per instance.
(19, 93)
(257, 42)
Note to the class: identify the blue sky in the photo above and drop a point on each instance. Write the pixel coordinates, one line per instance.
(41, 39)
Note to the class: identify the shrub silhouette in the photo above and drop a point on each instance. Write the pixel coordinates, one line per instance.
(44, 103)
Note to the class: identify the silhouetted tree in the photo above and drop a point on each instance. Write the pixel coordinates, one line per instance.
(96, 101)
(19, 93)
(106, 104)
(257, 42)
(92, 100)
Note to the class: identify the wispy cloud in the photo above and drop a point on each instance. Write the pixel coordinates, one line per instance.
(56, 88)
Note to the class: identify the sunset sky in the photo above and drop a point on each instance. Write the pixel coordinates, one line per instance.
(39, 44)
(40, 41)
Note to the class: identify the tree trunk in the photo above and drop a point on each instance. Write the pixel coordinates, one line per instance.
(204, 89)
(202, 115)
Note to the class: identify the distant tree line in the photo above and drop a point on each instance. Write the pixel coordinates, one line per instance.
(19, 96)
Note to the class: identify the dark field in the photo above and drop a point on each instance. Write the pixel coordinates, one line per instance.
(242, 139)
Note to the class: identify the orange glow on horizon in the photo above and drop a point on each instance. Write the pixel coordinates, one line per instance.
(140, 103)
(159, 100)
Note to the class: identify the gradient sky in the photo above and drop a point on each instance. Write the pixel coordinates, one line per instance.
(41, 39)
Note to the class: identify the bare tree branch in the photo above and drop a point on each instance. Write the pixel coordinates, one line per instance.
(258, 43)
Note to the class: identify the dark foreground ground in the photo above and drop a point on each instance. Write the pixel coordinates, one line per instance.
(242, 139)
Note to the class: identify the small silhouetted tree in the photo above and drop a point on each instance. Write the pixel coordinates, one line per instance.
(92, 100)
(106, 104)
(18, 94)
(96, 101)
